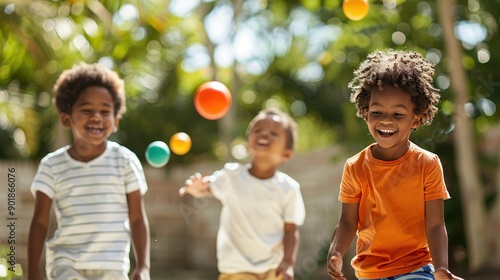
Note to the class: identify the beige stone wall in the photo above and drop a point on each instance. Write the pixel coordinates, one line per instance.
(183, 230)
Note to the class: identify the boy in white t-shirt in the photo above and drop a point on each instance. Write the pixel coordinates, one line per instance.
(261, 207)
(95, 186)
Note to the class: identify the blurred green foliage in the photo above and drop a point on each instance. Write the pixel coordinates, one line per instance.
(9, 269)
(297, 55)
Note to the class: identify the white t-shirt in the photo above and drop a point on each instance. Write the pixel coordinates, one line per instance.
(253, 216)
(90, 204)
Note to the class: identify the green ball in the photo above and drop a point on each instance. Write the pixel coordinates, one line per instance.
(157, 154)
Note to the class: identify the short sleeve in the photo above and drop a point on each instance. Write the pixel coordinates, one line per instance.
(44, 180)
(220, 180)
(350, 191)
(134, 175)
(434, 184)
(294, 212)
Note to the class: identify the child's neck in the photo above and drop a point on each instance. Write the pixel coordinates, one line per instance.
(86, 152)
(389, 154)
(262, 172)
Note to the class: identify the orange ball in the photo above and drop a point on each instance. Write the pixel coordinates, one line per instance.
(212, 100)
(355, 9)
(180, 143)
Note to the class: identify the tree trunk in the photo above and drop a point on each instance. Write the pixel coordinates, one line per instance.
(465, 149)
(227, 123)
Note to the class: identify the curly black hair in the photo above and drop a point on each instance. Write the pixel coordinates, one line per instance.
(287, 121)
(72, 82)
(407, 70)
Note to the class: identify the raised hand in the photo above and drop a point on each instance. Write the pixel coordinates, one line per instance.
(196, 186)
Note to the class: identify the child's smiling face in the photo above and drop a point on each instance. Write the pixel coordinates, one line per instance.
(92, 118)
(268, 140)
(390, 119)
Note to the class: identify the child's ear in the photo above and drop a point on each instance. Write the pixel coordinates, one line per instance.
(365, 116)
(65, 120)
(287, 154)
(416, 123)
(117, 123)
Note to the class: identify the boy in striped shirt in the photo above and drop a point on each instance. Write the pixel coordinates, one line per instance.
(95, 186)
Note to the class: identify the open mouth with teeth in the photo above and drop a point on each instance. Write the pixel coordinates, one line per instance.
(262, 142)
(386, 132)
(94, 129)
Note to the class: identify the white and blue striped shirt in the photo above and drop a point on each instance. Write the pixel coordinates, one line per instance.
(90, 204)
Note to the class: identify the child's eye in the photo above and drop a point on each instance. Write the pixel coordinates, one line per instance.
(375, 113)
(398, 115)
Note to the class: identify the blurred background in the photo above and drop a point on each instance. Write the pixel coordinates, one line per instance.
(294, 55)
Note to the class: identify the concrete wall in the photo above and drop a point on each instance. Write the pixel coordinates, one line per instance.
(183, 230)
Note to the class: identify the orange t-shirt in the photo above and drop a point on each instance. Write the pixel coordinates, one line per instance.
(391, 223)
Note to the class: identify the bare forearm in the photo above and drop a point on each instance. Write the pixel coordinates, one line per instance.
(36, 241)
(438, 245)
(342, 237)
(38, 233)
(291, 245)
(344, 230)
(141, 242)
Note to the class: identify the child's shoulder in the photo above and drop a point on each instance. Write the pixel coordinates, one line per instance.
(360, 157)
(421, 153)
(233, 166)
(119, 150)
(56, 156)
(231, 169)
(287, 180)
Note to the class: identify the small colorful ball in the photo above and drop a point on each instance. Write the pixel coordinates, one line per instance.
(157, 154)
(355, 9)
(212, 100)
(180, 143)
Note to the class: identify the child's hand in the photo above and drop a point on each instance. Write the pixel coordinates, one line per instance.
(140, 274)
(286, 270)
(196, 186)
(335, 267)
(444, 274)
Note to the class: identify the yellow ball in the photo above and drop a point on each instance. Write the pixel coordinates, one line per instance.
(355, 9)
(180, 143)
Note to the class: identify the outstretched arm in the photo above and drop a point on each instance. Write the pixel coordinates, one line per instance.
(290, 246)
(139, 228)
(197, 186)
(437, 238)
(342, 237)
(37, 234)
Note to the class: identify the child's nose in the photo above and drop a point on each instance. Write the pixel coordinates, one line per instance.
(96, 116)
(265, 132)
(385, 119)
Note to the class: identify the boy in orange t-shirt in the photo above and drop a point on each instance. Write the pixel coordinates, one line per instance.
(392, 192)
